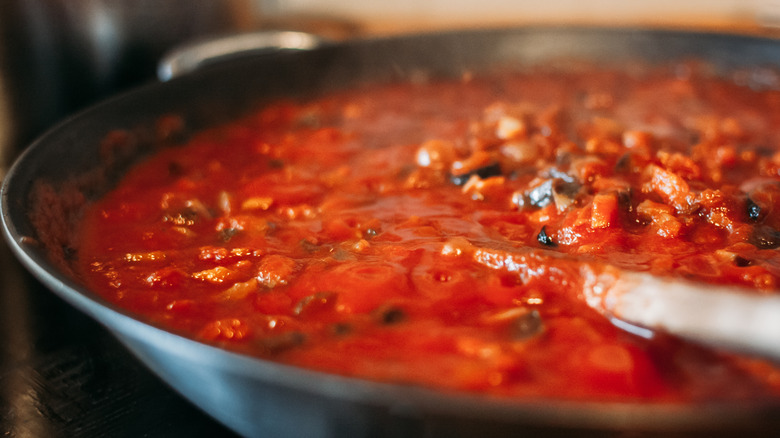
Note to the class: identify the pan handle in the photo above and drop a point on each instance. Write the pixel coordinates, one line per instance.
(192, 56)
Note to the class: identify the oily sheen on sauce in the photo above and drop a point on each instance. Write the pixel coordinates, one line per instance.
(432, 232)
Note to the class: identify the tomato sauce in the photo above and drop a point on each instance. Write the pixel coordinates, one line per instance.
(430, 233)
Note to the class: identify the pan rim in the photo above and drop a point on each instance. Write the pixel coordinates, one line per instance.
(575, 414)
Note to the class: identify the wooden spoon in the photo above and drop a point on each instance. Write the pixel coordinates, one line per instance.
(720, 316)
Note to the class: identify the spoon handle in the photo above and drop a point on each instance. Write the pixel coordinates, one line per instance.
(719, 316)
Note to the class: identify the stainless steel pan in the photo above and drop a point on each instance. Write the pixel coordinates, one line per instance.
(260, 398)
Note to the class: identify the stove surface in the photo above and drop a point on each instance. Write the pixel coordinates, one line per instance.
(64, 375)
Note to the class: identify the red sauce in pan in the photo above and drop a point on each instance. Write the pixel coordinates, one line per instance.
(430, 232)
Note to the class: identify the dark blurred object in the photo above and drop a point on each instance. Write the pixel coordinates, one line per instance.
(57, 56)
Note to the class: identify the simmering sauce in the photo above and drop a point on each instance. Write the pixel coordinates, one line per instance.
(431, 232)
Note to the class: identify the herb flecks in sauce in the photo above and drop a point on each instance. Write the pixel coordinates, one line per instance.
(385, 232)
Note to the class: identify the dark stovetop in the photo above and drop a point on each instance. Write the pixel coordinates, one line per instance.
(63, 375)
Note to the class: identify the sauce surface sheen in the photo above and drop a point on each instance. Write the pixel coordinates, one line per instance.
(432, 233)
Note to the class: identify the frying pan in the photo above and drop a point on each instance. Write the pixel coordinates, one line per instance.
(261, 398)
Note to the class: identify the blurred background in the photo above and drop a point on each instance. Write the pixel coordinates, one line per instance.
(57, 56)
(387, 15)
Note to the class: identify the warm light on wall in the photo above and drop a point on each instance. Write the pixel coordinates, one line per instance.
(469, 12)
